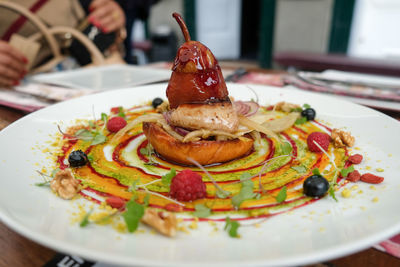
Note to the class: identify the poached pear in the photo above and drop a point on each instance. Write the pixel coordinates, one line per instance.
(196, 76)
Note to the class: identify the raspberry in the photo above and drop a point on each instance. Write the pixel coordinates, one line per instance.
(187, 186)
(322, 139)
(354, 176)
(115, 124)
(355, 159)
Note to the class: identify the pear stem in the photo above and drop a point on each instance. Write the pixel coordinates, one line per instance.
(183, 26)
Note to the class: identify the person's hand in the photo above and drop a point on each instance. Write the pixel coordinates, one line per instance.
(106, 15)
(12, 65)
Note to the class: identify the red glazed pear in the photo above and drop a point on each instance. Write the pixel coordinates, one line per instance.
(196, 76)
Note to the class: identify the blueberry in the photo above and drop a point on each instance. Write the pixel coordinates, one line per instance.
(309, 113)
(77, 158)
(156, 102)
(315, 186)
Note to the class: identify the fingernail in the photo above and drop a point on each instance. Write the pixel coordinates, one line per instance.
(23, 73)
(104, 29)
(25, 60)
(95, 23)
(15, 82)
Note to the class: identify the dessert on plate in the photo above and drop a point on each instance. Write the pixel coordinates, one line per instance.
(201, 155)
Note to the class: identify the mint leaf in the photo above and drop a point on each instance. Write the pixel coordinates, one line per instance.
(231, 227)
(222, 194)
(146, 200)
(46, 183)
(121, 112)
(245, 176)
(345, 171)
(132, 215)
(104, 117)
(300, 168)
(91, 124)
(286, 148)
(167, 178)
(83, 134)
(133, 188)
(306, 106)
(331, 192)
(98, 139)
(246, 192)
(148, 151)
(316, 171)
(85, 220)
(144, 151)
(95, 137)
(201, 211)
(301, 120)
(296, 110)
(281, 195)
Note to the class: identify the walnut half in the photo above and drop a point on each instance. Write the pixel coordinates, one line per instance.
(64, 184)
(162, 221)
(341, 138)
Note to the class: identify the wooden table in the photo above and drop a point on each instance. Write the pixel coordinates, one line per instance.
(17, 250)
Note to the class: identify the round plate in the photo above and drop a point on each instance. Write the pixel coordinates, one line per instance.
(320, 231)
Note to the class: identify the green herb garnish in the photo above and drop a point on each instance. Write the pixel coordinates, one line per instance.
(231, 227)
(104, 117)
(201, 211)
(246, 191)
(90, 158)
(166, 179)
(148, 151)
(98, 138)
(133, 187)
(286, 148)
(121, 112)
(146, 200)
(316, 171)
(296, 110)
(331, 192)
(132, 215)
(281, 195)
(301, 120)
(85, 220)
(300, 168)
(95, 137)
(47, 178)
(45, 183)
(345, 171)
(222, 193)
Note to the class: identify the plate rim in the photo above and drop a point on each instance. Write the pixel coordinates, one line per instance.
(88, 253)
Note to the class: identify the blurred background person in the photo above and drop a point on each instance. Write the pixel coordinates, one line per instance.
(106, 15)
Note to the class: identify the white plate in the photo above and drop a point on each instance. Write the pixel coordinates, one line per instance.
(317, 232)
(105, 77)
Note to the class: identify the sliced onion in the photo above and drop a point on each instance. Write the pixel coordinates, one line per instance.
(258, 127)
(203, 133)
(241, 107)
(167, 116)
(246, 108)
(254, 106)
(181, 131)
